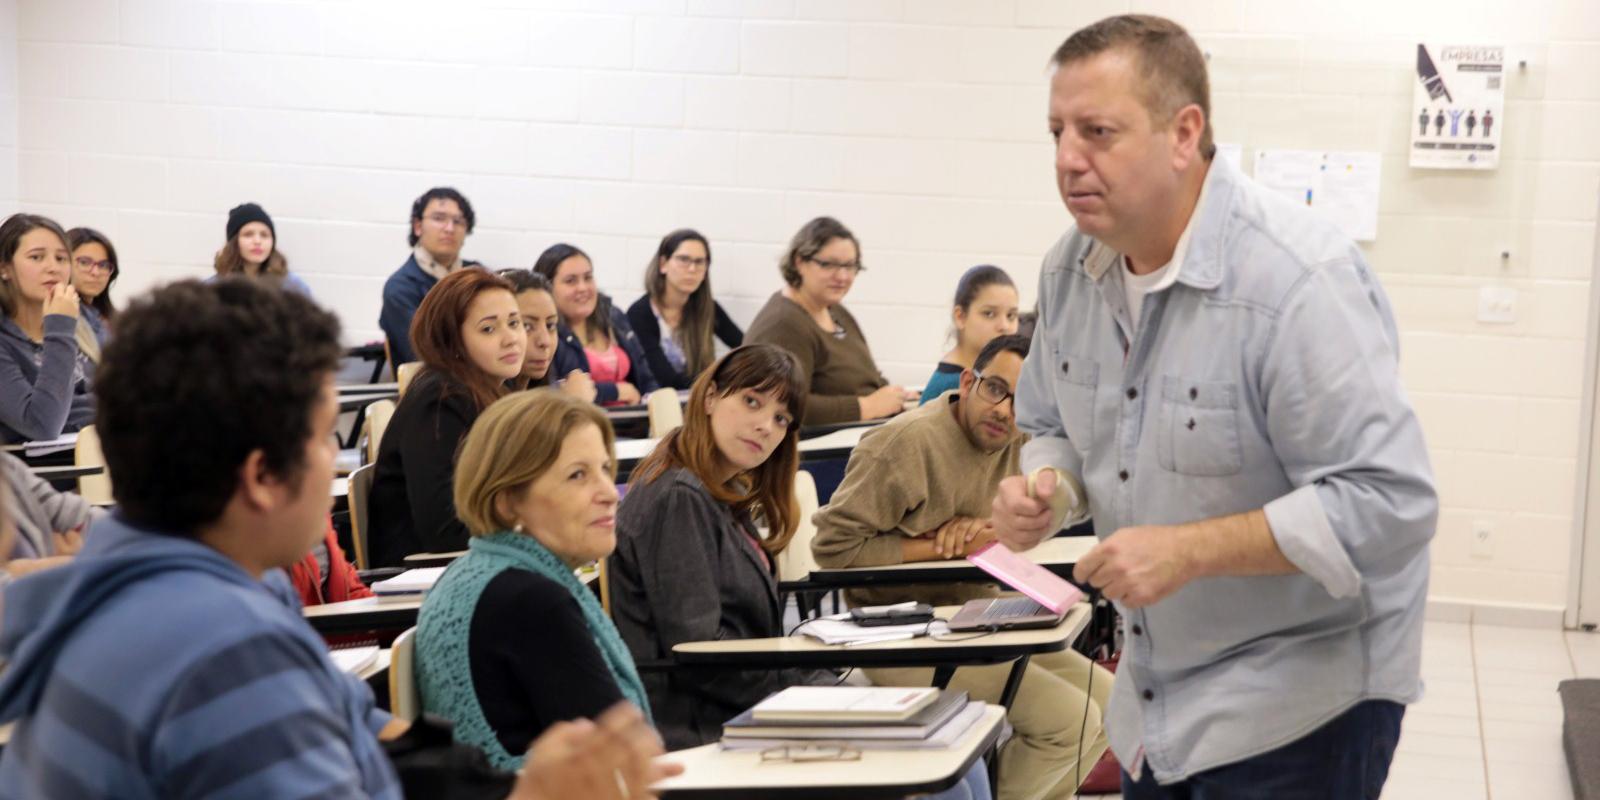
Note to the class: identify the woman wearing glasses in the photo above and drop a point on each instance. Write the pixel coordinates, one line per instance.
(94, 270)
(677, 317)
(807, 318)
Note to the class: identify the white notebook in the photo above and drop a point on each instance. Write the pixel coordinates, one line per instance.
(354, 659)
(412, 581)
(824, 703)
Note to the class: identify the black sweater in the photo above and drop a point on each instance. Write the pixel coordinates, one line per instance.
(533, 661)
(643, 319)
(413, 494)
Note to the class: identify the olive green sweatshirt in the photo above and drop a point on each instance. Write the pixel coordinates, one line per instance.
(840, 367)
(907, 478)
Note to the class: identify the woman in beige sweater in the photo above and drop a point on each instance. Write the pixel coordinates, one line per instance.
(808, 318)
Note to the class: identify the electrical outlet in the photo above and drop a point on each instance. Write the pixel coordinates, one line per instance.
(1482, 539)
(1497, 305)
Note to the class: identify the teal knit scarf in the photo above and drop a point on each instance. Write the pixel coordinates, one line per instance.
(444, 675)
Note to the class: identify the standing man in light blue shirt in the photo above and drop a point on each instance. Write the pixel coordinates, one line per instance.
(1214, 379)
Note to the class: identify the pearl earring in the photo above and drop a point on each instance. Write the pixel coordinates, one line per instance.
(517, 528)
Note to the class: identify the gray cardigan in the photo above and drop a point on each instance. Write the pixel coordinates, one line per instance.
(44, 386)
(38, 510)
(683, 571)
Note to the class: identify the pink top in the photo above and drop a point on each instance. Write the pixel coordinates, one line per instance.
(608, 366)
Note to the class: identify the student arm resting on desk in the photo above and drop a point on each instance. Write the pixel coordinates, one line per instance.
(860, 526)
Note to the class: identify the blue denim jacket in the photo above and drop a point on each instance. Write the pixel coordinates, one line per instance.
(1265, 377)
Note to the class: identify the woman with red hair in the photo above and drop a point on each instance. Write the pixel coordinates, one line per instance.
(469, 336)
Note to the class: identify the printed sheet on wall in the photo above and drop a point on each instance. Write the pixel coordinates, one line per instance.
(1341, 186)
(1460, 102)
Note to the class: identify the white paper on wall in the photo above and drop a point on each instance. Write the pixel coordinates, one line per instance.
(1342, 186)
(1460, 102)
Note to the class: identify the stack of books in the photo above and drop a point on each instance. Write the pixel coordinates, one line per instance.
(869, 718)
(409, 585)
(354, 659)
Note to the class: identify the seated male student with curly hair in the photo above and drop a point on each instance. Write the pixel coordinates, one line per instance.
(170, 659)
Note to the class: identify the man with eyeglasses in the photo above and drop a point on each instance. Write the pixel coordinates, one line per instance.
(441, 220)
(919, 488)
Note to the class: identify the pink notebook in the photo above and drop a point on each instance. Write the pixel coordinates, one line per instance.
(1043, 586)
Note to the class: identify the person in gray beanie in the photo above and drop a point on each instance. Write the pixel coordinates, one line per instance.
(252, 249)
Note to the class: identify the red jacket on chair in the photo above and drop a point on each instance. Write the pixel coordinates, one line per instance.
(343, 583)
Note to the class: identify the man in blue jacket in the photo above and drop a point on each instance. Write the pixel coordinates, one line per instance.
(441, 220)
(170, 659)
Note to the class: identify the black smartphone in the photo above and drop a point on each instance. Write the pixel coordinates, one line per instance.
(872, 616)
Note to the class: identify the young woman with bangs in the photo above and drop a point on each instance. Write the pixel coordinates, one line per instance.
(690, 563)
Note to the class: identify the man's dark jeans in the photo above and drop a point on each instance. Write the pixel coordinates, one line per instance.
(1346, 759)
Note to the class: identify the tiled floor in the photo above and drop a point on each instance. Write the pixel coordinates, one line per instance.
(1489, 727)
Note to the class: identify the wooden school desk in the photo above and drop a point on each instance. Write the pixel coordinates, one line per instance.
(957, 649)
(836, 444)
(365, 614)
(711, 773)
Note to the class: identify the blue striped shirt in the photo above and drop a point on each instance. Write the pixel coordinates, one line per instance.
(155, 667)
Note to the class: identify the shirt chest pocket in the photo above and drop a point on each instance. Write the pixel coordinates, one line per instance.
(1197, 430)
(1076, 379)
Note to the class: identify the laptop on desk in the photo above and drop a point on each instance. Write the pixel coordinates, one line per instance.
(1047, 600)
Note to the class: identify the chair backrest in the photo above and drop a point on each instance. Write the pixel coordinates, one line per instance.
(404, 700)
(403, 375)
(378, 415)
(796, 561)
(94, 488)
(665, 411)
(360, 490)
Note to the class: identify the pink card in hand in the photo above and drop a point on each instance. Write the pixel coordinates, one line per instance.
(1017, 571)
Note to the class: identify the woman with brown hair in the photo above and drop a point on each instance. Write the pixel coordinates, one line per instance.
(47, 350)
(252, 249)
(593, 334)
(808, 318)
(94, 272)
(690, 564)
(539, 318)
(468, 334)
(677, 316)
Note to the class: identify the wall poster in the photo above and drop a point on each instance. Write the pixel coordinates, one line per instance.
(1460, 102)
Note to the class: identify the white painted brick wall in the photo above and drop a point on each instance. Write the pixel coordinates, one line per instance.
(920, 123)
(10, 88)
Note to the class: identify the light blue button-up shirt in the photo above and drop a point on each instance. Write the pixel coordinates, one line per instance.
(1265, 377)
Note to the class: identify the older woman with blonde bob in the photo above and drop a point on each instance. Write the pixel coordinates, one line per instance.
(509, 641)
